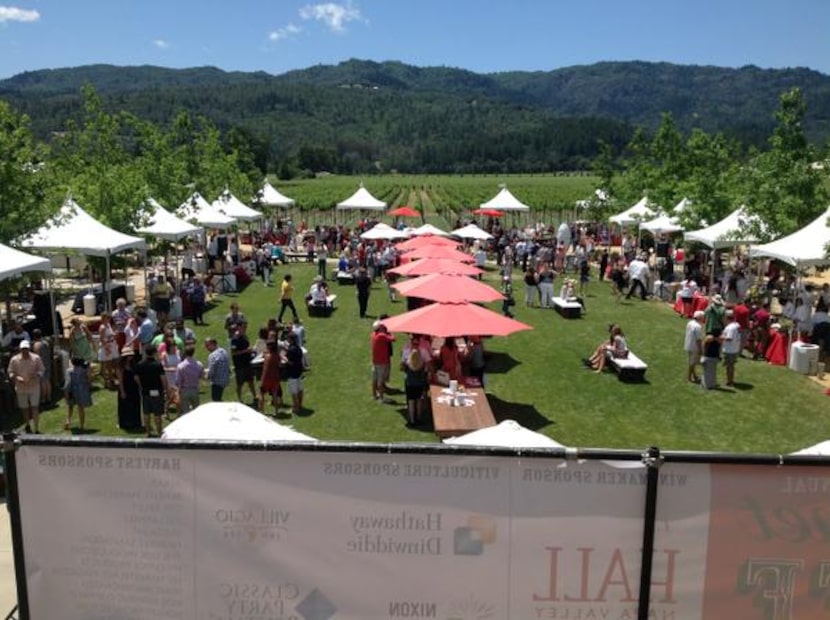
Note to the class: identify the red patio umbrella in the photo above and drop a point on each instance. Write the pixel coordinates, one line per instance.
(454, 319)
(418, 242)
(440, 251)
(424, 266)
(405, 212)
(443, 287)
(489, 212)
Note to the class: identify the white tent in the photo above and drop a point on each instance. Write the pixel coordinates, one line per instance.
(822, 449)
(75, 230)
(230, 421)
(504, 201)
(383, 231)
(270, 197)
(803, 248)
(197, 209)
(662, 224)
(723, 234)
(471, 231)
(362, 199)
(165, 225)
(642, 210)
(508, 434)
(230, 205)
(426, 229)
(681, 206)
(14, 263)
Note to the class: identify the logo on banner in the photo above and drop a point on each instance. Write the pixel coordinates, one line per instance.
(469, 608)
(252, 524)
(470, 539)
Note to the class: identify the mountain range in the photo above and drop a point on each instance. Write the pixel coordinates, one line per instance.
(437, 119)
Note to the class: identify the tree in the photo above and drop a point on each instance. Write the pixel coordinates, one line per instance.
(781, 186)
(23, 178)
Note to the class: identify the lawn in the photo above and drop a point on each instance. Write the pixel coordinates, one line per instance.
(535, 377)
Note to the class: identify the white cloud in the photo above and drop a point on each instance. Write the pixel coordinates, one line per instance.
(15, 14)
(335, 16)
(161, 44)
(284, 33)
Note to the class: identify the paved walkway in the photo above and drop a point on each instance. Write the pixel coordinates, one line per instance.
(8, 592)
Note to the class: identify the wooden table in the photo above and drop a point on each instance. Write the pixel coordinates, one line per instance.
(452, 421)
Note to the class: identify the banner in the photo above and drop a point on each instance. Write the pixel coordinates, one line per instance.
(256, 535)
(768, 552)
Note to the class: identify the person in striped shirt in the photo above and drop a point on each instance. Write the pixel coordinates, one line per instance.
(218, 370)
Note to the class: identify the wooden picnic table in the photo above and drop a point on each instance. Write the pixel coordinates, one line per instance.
(451, 421)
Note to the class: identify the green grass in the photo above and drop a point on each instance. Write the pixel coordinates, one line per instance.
(536, 378)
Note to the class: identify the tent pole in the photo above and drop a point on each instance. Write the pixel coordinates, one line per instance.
(107, 300)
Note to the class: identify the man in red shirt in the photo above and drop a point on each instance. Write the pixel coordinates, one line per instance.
(760, 331)
(381, 341)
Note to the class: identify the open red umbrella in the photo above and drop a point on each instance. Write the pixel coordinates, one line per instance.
(454, 319)
(424, 266)
(405, 212)
(423, 240)
(443, 287)
(440, 251)
(489, 212)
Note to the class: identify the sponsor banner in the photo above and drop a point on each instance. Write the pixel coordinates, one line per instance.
(233, 535)
(576, 541)
(107, 533)
(768, 556)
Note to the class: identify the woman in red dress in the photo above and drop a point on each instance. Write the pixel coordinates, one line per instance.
(270, 379)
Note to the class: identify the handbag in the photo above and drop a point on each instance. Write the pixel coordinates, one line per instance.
(442, 377)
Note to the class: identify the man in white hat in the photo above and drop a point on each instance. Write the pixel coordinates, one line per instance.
(25, 371)
(714, 314)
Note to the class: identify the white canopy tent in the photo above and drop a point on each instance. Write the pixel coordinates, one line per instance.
(231, 206)
(681, 206)
(662, 224)
(426, 229)
(821, 449)
(14, 263)
(362, 200)
(505, 201)
(196, 209)
(471, 231)
(165, 225)
(724, 234)
(383, 231)
(642, 210)
(803, 248)
(230, 421)
(508, 433)
(268, 196)
(75, 230)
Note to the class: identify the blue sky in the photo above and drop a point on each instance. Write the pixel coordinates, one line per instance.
(480, 35)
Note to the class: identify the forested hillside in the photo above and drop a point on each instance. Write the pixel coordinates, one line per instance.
(362, 116)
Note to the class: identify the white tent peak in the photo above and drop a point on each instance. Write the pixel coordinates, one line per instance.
(197, 209)
(426, 229)
(231, 206)
(803, 248)
(509, 434)
(504, 201)
(230, 421)
(471, 231)
(14, 262)
(164, 225)
(643, 209)
(268, 196)
(725, 233)
(76, 230)
(362, 199)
